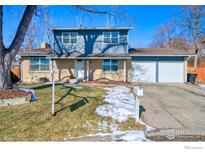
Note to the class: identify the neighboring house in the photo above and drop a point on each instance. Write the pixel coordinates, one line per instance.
(102, 54)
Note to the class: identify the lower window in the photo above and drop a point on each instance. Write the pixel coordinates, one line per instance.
(39, 64)
(110, 65)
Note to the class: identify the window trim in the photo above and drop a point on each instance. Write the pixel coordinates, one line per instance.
(39, 64)
(118, 37)
(110, 70)
(69, 38)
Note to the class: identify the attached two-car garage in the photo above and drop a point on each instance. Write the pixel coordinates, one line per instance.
(158, 69)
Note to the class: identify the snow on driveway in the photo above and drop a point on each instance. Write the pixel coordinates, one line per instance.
(120, 104)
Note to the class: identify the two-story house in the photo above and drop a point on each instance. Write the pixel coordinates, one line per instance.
(102, 54)
(82, 53)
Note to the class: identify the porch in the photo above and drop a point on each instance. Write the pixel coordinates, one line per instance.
(91, 69)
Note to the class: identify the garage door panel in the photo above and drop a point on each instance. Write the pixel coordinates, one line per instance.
(171, 71)
(143, 71)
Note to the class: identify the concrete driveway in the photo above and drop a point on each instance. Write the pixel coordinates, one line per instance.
(173, 106)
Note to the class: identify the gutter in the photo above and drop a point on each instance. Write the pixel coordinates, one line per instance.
(161, 55)
(91, 29)
(91, 58)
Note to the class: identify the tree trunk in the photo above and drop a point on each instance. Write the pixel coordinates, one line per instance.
(5, 77)
(7, 55)
(2, 53)
(196, 60)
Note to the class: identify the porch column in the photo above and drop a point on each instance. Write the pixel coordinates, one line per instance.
(88, 70)
(125, 70)
(75, 67)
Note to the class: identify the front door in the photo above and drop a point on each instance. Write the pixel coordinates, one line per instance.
(79, 69)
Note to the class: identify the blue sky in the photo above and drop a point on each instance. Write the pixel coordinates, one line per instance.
(147, 19)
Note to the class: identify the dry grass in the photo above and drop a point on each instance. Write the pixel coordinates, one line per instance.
(75, 109)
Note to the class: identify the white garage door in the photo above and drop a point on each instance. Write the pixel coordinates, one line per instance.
(144, 71)
(171, 71)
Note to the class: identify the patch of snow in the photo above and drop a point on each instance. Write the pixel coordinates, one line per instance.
(104, 126)
(101, 135)
(148, 128)
(88, 125)
(131, 135)
(120, 104)
(202, 85)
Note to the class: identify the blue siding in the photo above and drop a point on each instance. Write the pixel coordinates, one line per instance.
(91, 41)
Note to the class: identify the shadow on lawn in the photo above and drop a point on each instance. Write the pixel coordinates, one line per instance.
(83, 101)
(44, 86)
(78, 104)
(64, 96)
(74, 106)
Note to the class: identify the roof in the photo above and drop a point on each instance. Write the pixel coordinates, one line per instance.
(96, 28)
(35, 52)
(159, 52)
(133, 52)
(77, 55)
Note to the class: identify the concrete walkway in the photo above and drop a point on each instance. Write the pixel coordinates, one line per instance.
(173, 106)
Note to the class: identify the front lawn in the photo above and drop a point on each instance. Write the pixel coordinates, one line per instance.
(75, 115)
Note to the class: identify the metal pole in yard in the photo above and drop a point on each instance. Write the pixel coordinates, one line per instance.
(53, 87)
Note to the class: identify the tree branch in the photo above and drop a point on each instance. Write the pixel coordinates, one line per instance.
(90, 10)
(21, 31)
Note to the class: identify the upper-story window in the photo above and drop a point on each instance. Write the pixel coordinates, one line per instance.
(111, 37)
(69, 37)
(39, 64)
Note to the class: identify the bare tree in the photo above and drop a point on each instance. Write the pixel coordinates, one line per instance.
(39, 25)
(191, 19)
(31, 39)
(46, 23)
(7, 55)
(113, 15)
(168, 35)
(163, 35)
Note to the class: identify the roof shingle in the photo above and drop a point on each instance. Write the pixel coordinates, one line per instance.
(159, 52)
